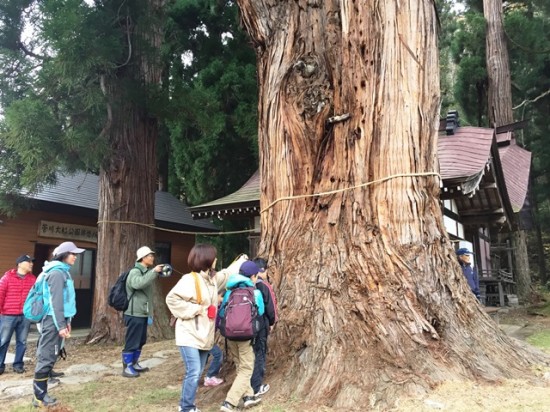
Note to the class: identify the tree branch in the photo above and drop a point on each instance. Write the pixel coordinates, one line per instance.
(24, 49)
(527, 101)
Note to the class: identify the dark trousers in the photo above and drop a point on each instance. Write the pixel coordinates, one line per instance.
(136, 333)
(260, 352)
(49, 345)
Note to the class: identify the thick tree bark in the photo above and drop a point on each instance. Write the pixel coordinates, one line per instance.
(523, 276)
(373, 303)
(500, 114)
(498, 66)
(128, 175)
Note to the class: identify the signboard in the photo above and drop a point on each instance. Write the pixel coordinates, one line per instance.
(67, 231)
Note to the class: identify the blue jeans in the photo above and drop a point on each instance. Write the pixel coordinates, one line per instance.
(216, 364)
(194, 360)
(9, 324)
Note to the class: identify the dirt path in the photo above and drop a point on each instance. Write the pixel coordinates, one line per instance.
(93, 383)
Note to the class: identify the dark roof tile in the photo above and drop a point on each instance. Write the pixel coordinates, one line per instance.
(81, 190)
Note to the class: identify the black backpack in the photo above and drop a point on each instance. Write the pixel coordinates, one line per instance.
(118, 298)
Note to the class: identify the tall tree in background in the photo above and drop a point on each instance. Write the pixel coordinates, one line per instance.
(128, 176)
(500, 114)
(87, 99)
(369, 286)
(528, 35)
(213, 99)
(212, 124)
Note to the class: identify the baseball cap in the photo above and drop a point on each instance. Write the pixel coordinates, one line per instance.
(249, 269)
(463, 251)
(67, 247)
(24, 258)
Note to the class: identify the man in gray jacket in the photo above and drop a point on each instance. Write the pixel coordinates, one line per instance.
(139, 288)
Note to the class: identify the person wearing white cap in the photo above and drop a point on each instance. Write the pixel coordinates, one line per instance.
(139, 289)
(56, 325)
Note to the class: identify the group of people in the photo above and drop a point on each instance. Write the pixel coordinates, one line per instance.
(54, 328)
(194, 302)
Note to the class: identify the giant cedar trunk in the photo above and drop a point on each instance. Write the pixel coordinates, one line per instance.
(373, 303)
(128, 175)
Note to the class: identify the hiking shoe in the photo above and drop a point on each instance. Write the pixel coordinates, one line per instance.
(212, 381)
(53, 381)
(251, 401)
(263, 390)
(19, 370)
(54, 374)
(227, 407)
(44, 403)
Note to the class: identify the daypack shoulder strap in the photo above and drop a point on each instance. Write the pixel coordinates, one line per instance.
(197, 287)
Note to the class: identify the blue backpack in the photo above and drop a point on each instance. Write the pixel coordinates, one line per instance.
(36, 305)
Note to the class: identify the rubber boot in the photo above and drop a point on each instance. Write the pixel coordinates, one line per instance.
(137, 366)
(41, 397)
(128, 370)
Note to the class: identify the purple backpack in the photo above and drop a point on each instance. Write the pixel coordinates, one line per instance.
(240, 317)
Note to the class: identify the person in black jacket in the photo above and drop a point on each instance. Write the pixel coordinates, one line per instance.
(266, 324)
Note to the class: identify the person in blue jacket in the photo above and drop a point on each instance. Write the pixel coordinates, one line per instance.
(56, 325)
(465, 260)
(242, 351)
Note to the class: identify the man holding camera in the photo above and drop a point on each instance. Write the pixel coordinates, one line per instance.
(139, 288)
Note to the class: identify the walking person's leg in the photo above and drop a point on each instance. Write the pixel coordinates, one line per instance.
(243, 355)
(194, 360)
(260, 352)
(22, 326)
(137, 353)
(6, 331)
(48, 349)
(134, 332)
(211, 378)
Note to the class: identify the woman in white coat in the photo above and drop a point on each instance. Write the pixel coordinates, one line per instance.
(194, 302)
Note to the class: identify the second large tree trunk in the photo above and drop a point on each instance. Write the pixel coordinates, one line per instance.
(373, 303)
(128, 175)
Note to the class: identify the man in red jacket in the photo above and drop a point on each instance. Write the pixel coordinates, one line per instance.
(14, 288)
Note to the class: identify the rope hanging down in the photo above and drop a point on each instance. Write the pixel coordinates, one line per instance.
(331, 192)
